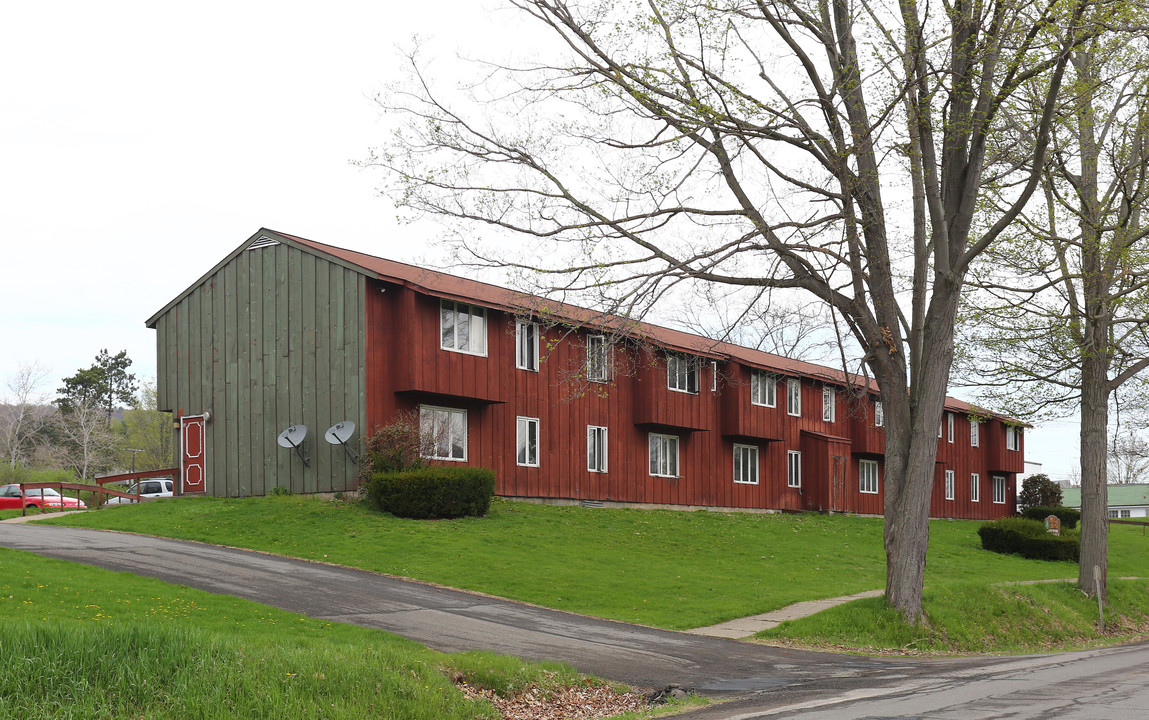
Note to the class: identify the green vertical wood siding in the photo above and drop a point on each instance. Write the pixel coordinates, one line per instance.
(272, 338)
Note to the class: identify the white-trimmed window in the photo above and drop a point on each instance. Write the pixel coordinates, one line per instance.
(663, 455)
(596, 448)
(445, 431)
(974, 432)
(949, 484)
(828, 397)
(950, 427)
(1012, 437)
(462, 327)
(597, 359)
(999, 489)
(793, 396)
(879, 414)
(682, 373)
(868, 476)
(746, 464)
(527, 441)
(974, 487)
(793, 468)
(713, 376)
(1116, 514)
(763, 388)
(526, 345)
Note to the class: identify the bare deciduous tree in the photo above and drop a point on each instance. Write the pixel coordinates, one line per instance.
(832, 147)
(24, 413)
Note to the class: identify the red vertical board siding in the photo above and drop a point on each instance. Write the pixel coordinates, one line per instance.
(406, 368)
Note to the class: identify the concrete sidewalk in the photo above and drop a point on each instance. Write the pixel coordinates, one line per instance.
(747, 626)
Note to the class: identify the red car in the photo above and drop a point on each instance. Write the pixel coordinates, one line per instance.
(11, 498)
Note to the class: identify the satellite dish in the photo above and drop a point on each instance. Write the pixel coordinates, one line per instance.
(293, 437)
(339, 434)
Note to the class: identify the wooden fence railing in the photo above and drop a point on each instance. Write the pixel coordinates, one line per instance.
(100, 492)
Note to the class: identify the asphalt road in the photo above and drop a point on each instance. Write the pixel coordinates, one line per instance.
(756, 679)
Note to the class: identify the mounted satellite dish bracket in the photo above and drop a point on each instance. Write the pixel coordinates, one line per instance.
(339, 434)
(293, 437)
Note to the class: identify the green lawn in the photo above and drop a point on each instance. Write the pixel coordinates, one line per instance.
(81, 642)
(668, 569)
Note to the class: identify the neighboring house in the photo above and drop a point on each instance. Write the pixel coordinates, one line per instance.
(1124, 500)
(286, 332)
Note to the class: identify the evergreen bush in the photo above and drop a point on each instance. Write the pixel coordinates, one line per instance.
(1028, 538)
(433, 492)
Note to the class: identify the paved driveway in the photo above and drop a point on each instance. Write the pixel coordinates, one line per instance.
(450, 620)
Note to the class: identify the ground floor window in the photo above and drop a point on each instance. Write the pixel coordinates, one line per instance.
(793, 469)
(868, 476)
(527, 441)
(1119, 513)
(999, 489)
(596, 448)
(663, 455)
(444, 432)
(974, 487)
(746, 464)
(949, 484)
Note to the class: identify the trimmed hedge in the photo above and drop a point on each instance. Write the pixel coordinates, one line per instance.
(1068, 516)
(1028, 538)
(433, 492)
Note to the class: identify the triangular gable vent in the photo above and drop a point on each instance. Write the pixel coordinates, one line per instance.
(262, 242)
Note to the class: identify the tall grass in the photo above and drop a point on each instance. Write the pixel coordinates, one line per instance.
(80, 642)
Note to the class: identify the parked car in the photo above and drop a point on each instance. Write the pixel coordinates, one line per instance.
(12, 498)
(151, 488)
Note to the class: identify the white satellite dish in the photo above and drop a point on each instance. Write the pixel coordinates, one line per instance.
(339, 434)
(293, 437)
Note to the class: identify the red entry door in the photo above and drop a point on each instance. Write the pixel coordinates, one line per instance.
(192, 456)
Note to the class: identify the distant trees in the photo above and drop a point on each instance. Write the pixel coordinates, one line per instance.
(102, 385)
(24, 412)
(148, 429)
(1039, 491)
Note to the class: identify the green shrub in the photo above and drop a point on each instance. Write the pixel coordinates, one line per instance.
(1068, 516)
(433, 492)
(1028, 538)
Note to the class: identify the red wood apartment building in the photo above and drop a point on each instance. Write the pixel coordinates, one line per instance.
(289, 332)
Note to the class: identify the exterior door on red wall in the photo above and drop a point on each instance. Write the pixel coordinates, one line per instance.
(838, 483)
(192, 455)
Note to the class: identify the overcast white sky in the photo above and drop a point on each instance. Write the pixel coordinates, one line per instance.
(140, 142)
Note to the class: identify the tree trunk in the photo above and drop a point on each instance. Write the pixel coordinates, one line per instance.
(1094, 491)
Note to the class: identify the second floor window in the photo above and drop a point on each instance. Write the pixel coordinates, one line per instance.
(462, 328)
(526, 345)
(828, 397)
(974, 432)
(879, 414)
(597, 359)
(1012, 437)
(950, 426)
(682, 373)
(793, 396)
(763, 388)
